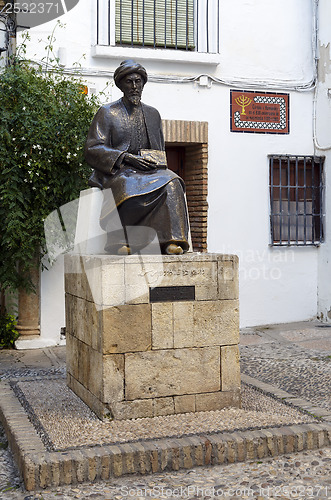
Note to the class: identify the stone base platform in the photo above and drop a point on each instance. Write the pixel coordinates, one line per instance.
(41, 467)
(153, 335)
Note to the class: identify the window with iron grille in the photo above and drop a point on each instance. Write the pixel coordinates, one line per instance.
(156, 23)
(296, 200)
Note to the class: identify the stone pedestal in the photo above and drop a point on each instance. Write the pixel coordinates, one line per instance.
(153, 335)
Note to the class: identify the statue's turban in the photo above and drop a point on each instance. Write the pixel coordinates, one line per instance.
(126, 68)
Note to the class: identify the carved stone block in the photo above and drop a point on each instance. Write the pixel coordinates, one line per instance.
(151, 335)
(172, 372)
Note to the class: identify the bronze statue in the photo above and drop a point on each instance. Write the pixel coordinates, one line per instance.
(125, 146)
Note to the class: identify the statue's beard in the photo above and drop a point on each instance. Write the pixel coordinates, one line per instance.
(134, 99)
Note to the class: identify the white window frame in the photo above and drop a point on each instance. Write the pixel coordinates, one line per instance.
(107, 48)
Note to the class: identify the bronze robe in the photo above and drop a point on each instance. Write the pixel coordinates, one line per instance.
(153, 199)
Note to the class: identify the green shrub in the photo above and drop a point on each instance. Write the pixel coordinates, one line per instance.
(44, 120)
(8, 332)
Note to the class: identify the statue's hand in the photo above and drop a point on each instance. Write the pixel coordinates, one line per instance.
(138, 162)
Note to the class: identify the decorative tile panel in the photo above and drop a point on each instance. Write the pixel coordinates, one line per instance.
(259, 112)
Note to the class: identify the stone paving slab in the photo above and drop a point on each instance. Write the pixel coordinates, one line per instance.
(41, 468)
(321, 344)
(305, 375)
(15, 361)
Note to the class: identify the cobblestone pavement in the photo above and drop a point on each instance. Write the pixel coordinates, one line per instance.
(302, 475)
(295, 358)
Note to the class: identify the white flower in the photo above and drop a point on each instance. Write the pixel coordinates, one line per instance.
(13, 139)
(24, 108)
(75, 154)
(25, 155)
(68, 155)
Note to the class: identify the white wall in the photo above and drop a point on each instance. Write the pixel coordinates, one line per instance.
(276, 285)
(259, 40)
(52, 307)
(264, 43)
(271, 279)
(323, 147)
(267, 40)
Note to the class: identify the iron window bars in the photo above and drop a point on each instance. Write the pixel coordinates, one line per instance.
(170, 24)
(296, 200)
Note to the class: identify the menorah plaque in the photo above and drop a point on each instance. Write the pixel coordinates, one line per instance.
(259, 112)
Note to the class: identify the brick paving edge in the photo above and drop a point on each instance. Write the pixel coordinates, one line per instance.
(40, 468)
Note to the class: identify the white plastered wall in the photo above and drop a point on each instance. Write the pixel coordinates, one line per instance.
(322, 142)
(269, 46)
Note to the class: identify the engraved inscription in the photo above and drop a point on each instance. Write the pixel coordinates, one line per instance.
(184, 272)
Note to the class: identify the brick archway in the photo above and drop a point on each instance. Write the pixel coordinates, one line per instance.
(192, 138)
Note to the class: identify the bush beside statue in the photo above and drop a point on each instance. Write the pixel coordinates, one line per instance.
(43, 126)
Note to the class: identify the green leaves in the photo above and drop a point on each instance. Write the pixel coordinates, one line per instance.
(44, 120)
(8, 332)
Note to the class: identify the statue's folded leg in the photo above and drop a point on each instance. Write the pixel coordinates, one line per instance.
(162, 211)
(173, 227)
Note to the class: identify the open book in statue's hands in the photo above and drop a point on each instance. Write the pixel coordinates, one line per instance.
(159, 157)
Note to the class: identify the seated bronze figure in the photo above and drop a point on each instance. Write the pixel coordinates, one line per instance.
(125, 146)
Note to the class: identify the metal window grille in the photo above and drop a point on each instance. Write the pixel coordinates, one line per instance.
(170, 24)
(296, 200)
(156, 23)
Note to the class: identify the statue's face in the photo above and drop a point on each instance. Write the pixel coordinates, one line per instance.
(132, 86)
